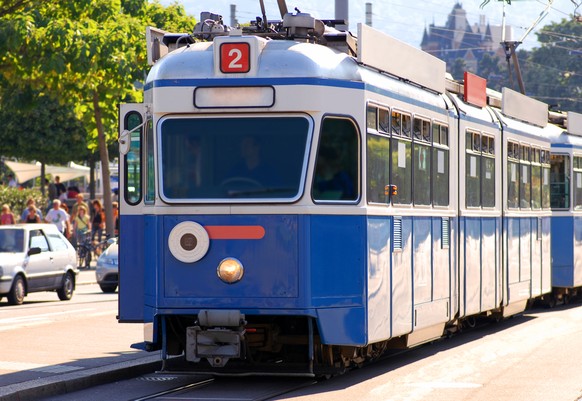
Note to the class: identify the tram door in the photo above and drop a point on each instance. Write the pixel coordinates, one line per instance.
(131, 213)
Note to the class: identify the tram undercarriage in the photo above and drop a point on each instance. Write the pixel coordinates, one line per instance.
(275, 345)
(283, 345)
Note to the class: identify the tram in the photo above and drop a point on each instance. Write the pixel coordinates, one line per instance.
(298, 200)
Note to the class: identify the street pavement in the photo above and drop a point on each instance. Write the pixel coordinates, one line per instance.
(95, 372)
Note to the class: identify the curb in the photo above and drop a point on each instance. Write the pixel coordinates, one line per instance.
(76, 381)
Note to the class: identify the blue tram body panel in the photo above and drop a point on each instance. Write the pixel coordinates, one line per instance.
(131, 273)
(563, 255)
(379, 281)
(304, 265)
(480, 255)
(338, 257)
(271, 266)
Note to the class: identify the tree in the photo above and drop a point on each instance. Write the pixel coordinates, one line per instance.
(458, 68)
(492, 69)
(38, 127)
(89, 52)
(554, 70)
(9, 7)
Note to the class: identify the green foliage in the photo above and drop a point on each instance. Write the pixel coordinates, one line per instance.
(172, 18)
(552, 72)
(458, 68)
(17, 198)
(492, 69)
(38, 127)
(83, 48)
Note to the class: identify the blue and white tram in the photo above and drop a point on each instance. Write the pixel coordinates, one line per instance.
(289, 204)
(527, 214)
(566, 203)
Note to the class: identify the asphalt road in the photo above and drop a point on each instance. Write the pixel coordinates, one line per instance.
(76, 350)
(47, 341)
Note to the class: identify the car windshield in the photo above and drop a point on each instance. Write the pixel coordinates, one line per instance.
(229, 159)
(12, 240)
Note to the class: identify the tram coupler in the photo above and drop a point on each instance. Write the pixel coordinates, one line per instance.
(217, 337)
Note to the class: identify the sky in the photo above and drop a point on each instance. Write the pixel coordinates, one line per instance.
(403, 19)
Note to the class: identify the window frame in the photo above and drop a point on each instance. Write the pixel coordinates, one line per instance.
(138, 135)
(357, 179)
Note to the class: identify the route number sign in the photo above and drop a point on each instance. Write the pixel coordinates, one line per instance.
(235, 57)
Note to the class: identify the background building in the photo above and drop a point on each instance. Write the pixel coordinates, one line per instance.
(460, 40)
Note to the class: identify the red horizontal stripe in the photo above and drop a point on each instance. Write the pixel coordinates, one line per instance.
(235, 232)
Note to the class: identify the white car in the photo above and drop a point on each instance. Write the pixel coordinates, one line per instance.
(33, 258)
(107, 270)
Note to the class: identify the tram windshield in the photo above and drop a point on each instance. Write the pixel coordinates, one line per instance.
(236, 158)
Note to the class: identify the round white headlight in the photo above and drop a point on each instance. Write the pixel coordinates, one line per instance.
(188, 242)
(230, 270)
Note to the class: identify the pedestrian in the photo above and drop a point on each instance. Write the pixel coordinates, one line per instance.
(6, 217)
(80, 202)
(115, 206)
(58, 217)
(52, 192)
(98, 221)
(11, 181)
(30, 202)
(32, 215)
(61, 189)
(81, 225)
(68, 225)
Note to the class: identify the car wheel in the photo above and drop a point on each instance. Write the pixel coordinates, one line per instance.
(17, 292)
(108, 288)
(66, 291)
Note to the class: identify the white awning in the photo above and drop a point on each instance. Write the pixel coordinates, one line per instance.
(28, 171)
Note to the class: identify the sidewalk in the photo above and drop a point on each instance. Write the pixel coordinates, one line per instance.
(87, 276)
(82, 379)
(36, 383)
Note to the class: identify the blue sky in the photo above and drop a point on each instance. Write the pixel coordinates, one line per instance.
(403, 19)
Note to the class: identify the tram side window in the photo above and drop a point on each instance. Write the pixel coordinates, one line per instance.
(512, 175)
(422, 161)
(372, 117)
(488, 172)
(577, 183)
(525, 175)
(378, 154)
(401, 149)
(133, 166)
(336, 172)
(536, 179)
(560, 182)
(545, 161)
(440, 164)
(473, 169)
(150, 192)
(378, 162)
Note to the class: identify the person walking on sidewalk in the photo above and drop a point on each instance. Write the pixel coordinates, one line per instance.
(58, 217)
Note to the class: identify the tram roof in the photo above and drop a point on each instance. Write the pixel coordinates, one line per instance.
(278, 58)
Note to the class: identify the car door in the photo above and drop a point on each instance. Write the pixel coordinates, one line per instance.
(62, 256)
(39, 269)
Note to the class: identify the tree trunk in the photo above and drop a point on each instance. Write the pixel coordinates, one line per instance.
(42, 178)
(104, 155)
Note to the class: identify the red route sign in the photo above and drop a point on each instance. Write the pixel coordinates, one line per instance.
(235, 57)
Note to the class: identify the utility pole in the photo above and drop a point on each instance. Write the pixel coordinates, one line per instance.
(369, 14)
(342, 13)
(233, 20)
(510, 47)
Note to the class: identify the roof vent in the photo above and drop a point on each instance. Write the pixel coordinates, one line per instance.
(298, 24)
